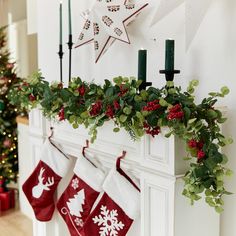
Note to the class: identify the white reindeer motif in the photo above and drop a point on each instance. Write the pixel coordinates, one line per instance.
(37, 190)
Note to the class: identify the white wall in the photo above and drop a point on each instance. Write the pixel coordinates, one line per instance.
(211, 58)
(32, 16)
(18, 47)
(12, 11)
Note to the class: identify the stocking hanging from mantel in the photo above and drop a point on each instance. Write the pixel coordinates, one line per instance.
(77, 200)
(40, 187)
(118, 208)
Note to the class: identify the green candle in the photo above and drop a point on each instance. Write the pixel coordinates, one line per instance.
(170, 55)
(142, 65)
(60, 22)
(69, 14)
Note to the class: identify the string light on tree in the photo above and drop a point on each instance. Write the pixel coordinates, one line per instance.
(8, 134)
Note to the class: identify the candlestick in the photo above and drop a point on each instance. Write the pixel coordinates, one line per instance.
(60, 53)
(60, 15)
(69, 14)
(142, 65)
(169, 61)
(70, 45)
(142, 69)
(170, 55)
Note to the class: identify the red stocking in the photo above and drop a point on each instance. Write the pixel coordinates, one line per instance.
(39, 188)
(117, 209)
(77, 200)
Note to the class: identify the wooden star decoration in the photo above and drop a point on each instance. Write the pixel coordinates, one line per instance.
(106, 22)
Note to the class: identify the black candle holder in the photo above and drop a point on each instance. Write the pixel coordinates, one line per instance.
(70, 45)
(144, 85)
(60, 53)
(169, 74)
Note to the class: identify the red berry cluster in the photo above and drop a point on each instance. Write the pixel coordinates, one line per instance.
(61, 114)
(123, 91)
(96, 108)
(152, 106)
(152, 131)
(175, 112)
(60, 86)
(32, 97)
(24, 84)
(200, 155)
(81, 90)
(197, 145)
(110, 109)
(109, 112)
(116, 105)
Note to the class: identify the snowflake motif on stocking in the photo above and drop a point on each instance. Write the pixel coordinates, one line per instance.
(79, 222)
(108, 222)
(75, 183)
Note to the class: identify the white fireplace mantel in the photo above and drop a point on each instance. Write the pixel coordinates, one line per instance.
(156, 163)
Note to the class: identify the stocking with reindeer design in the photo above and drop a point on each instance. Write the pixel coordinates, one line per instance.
(39, 188)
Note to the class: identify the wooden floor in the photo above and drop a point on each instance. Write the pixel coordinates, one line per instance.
(13, 223)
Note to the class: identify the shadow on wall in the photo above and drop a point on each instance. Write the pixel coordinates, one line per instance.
(23, 47)
(12, 11)
(230, 152)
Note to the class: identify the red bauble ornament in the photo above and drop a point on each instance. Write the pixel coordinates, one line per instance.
(10, 65)
(7, 143)
(3, 80)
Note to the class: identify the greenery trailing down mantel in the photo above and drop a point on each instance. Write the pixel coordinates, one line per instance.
(140, 113)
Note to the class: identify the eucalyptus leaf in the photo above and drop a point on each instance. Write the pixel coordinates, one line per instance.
(122, 118)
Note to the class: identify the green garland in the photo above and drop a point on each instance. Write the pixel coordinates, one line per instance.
(141, 113)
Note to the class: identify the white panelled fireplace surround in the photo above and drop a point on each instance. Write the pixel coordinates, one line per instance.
(156, 163)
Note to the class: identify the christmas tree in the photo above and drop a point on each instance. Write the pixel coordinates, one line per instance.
(8, 113)
(75, 204)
